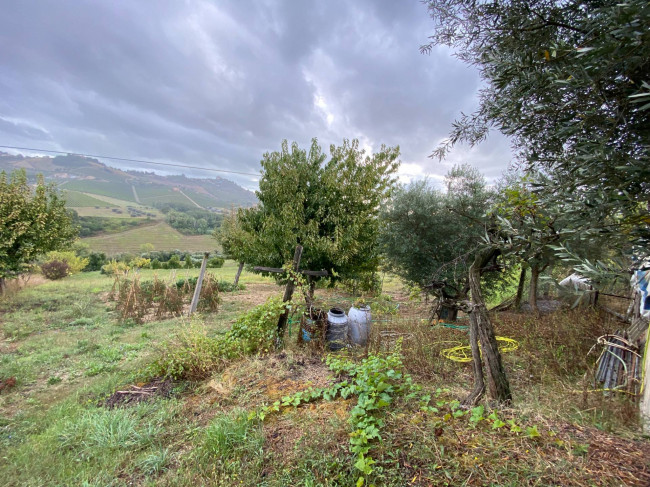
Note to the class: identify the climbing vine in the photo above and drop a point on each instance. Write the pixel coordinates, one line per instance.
(377, 381)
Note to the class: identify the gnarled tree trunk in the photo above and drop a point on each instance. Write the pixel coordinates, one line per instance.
(241, 267)
(479, 382)
(483, 332)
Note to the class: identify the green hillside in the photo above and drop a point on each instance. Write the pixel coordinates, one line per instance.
(114, 189)
(87, 175)
(161, 235)
(74, 199)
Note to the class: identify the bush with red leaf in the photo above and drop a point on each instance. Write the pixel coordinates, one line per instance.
(55, 269)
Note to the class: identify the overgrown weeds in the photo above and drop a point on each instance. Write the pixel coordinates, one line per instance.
(233, 443)
(194, 354)
(136, 300)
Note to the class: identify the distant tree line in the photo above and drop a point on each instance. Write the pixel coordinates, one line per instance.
(90, 226)
(190, 220)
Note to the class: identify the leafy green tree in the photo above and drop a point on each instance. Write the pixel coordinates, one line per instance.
(330, 207)
(32, 222)
(174, 262)
(429, 236)
(527, 228)
(235, 241)
(568, 82)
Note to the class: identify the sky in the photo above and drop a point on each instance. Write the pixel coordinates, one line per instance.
(217, 84)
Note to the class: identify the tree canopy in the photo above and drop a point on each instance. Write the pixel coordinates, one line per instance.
(32, 222)
(430, 234)
(330, 207)
(568, 82)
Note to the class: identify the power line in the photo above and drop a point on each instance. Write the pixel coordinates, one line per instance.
(124, 159)
(142, 161)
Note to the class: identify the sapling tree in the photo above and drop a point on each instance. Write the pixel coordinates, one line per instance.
(33, 221)
(235, 242)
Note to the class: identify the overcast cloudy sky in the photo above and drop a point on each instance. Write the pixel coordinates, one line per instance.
(218, 83)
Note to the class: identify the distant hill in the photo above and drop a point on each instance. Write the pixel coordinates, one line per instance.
(87, 175)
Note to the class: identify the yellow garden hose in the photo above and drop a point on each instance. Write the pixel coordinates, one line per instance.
(463, 353)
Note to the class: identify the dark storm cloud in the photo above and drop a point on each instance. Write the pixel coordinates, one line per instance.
(216, 84)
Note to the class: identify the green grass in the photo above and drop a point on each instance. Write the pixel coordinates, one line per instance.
(149, 191)
(75, 199)
(161, 235)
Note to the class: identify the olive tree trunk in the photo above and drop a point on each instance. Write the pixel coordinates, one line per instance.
(481, 331)
(477, 367)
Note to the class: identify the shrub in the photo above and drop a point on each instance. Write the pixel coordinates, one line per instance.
(126, 257)
(192, 355)
(228, 287)
(140, 263)
(75, 264)
(209, 298)
(132, 302)
(195, 355)
(187, 284)
(114, 267)
(174, 262)
(155, 264)
(55, 269)
(95, 261)
(136, 299)
(216, 262)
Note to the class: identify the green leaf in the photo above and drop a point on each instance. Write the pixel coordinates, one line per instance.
(532, 432)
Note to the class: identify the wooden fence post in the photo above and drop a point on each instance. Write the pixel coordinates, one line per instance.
(199, 283)
(288, 292)
(645, 377)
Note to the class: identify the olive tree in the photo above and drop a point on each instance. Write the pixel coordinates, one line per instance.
(32, 221)
(438, 240)
(568, 82)
(429, 235)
